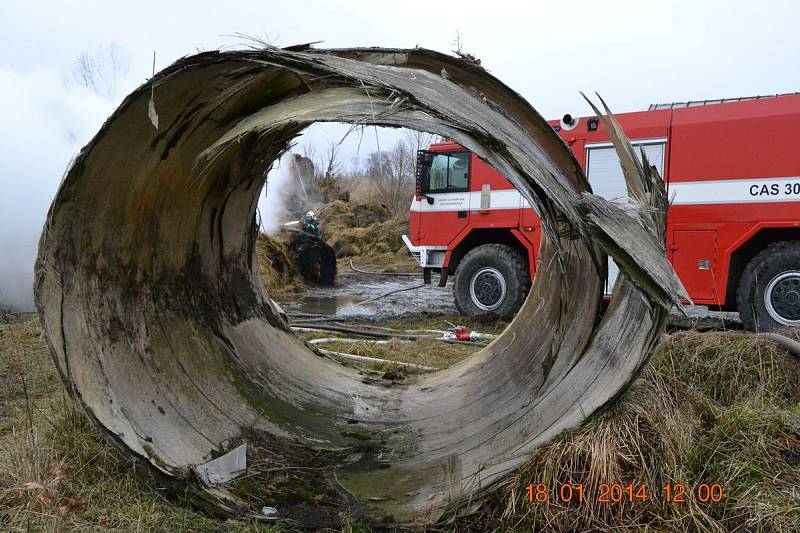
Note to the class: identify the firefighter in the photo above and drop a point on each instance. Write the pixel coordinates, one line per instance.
(310, 224)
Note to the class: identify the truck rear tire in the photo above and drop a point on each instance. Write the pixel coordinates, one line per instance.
(768, 296)
(492, 278)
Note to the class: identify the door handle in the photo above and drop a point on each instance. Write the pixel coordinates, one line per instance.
(462, 214)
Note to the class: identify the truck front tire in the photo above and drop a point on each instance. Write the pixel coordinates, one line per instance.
(492, 278)
(768, 296)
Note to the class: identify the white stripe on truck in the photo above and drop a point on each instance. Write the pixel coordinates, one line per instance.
(463, 201)
(735, 191)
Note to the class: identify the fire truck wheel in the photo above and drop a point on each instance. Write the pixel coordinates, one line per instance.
(769, 290)
(492, 278)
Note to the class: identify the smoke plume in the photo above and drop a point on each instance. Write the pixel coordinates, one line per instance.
(47, 117)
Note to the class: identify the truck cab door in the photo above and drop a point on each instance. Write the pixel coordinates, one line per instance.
(441, 205)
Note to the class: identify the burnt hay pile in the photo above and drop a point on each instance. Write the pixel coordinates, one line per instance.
(293, 260)
(278, 268)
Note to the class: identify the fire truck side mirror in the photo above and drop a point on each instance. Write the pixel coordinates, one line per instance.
(424, 161)
(429, 199)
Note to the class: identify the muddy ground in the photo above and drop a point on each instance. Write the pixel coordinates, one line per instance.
(361, 296)
(383, 295)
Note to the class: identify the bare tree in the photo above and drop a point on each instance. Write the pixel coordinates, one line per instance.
(356, 169)
(332, 167)
(419, 140)
(325, 182)
(309, 152)
(102, 70)
(458, 43)
(392, 173)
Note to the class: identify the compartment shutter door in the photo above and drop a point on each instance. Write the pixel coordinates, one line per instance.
(605, 173)
(605, 176)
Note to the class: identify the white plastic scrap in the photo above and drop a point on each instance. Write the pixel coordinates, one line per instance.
(223, 468)
(151, 111)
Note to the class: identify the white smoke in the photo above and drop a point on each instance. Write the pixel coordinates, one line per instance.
(47, 117)
(271, 205)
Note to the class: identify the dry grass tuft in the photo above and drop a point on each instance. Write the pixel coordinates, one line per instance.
(710, 408)
(731, 367)
(57, 473)
(680, 422)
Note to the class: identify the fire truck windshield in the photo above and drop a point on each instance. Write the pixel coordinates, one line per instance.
(448, 172)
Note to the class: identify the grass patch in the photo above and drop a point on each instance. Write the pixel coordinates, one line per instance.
(439, 321)
(431, 353)
(730, 367)
(400, 261)
(57, 473)
(426, 352)
(709, 408)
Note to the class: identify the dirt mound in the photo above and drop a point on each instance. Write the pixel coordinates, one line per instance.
(360, 229)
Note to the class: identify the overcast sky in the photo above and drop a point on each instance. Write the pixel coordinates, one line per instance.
(632, 52)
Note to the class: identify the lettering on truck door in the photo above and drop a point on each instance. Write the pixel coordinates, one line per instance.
(447, 186)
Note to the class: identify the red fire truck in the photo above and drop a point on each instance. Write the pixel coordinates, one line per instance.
(732, 172)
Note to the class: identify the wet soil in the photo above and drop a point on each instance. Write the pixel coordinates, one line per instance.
(348, 300)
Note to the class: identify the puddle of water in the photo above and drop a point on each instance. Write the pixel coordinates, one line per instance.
(344, 299)
(339, 305)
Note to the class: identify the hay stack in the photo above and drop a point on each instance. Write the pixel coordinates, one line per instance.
(361, 229)
(278, 268)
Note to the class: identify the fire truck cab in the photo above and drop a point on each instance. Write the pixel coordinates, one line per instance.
(732, 172)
